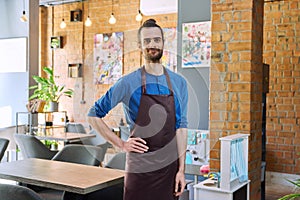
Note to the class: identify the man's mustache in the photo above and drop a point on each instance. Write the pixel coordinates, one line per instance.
(148, 49)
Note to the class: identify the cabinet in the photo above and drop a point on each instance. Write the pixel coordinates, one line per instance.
(32, 123)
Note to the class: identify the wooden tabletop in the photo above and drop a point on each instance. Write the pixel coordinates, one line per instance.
(58, 175)
(64, 136)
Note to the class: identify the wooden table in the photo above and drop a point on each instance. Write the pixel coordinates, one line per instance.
(63, 136)
(76, 178)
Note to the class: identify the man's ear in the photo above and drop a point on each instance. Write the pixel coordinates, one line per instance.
(139, 45)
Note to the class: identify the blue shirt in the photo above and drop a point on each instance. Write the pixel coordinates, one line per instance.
(128, 91)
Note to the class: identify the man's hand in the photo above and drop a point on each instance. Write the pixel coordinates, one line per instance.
(179, 183)
(137, 145)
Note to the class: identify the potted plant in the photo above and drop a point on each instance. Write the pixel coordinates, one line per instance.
(48, 90)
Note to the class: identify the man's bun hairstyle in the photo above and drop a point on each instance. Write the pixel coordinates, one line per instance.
(148, 24)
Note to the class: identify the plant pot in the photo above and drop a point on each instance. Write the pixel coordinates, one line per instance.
(53, 106)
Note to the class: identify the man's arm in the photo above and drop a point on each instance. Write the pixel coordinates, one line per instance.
(181, 136)
(137, 145)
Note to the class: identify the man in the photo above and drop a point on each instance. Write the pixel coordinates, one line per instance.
(155, 104)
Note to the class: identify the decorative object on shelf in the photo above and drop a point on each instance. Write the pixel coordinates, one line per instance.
(56, 42)
(24, 18)
(112, 19)
(63, 23)
(47, 89)
(76, 15)
(36, 105)
(108, 55)
(75, 70)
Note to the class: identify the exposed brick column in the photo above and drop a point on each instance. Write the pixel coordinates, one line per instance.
(235, 78)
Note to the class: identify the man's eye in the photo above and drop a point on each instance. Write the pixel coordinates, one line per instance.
(147, 40)
(157, 40)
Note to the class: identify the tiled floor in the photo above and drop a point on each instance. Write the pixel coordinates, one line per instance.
(276, 191)
(273, 191)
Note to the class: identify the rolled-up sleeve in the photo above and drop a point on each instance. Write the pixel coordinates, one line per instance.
(108, 101)
(183, 123)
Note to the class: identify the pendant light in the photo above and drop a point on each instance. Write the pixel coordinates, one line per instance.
(88, 21)
(112, 19)
(63, 23)
(23, 18)
(139, 16)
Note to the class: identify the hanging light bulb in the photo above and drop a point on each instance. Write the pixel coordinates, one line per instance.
(88, 21)
(23, 18)
(112, 19)
(63, 24)
(139, 16)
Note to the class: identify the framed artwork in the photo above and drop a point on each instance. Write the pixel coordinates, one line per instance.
(196, 44)
(108, 57)
(169, 58)
(76, 16)
(56, 42)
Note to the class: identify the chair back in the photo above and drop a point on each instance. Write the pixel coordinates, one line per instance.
(118, 161)
(75, 128)
(98, 140)
(17, 192)
(3, 146)
(31, 147)
(81, 154)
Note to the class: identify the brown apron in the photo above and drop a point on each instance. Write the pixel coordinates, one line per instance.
(151, 175)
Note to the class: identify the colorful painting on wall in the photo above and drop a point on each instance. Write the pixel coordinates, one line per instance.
(169, 58)
(196, 44)
(108, 57)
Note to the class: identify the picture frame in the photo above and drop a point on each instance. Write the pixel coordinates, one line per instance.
(76, 15)
(196, 44)
(56, 42)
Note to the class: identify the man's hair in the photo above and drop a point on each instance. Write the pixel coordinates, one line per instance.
(149, 24)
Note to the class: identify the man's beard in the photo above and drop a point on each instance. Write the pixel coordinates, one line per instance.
(153, 58)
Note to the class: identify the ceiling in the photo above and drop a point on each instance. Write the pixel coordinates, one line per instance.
(56, 2)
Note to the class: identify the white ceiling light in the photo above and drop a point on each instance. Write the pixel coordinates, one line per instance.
(157, 7)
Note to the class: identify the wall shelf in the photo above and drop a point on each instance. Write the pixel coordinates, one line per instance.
(75, 70)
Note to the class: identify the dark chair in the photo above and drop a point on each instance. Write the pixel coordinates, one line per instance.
(95, 141)
(81, 154)
(17, 192)
(3, 146)
(31, 147)
(75, 128)
(118, 161)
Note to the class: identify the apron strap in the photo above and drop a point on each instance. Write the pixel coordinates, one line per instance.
(144, 81)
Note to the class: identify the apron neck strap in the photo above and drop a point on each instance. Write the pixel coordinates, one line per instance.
(144, 80)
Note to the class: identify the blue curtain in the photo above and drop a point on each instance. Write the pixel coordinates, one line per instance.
(237, 161)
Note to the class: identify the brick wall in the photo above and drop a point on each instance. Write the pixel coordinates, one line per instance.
(236, 80)
(78, 48)
(282, 53)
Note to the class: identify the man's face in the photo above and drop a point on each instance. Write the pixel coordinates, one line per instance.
(152, 44)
